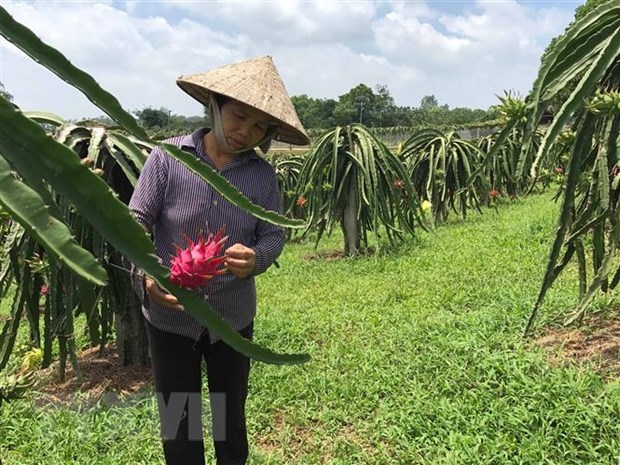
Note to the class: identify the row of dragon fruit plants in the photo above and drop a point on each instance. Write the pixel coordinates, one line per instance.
(350, 179)
(429, 175)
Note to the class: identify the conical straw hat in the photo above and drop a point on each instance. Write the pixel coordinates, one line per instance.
(256, 83)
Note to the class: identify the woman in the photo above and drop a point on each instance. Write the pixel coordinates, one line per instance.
(248, 106)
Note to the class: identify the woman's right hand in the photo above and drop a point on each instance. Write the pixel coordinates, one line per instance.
(157, 294)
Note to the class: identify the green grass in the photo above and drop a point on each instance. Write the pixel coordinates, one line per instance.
(417, 357)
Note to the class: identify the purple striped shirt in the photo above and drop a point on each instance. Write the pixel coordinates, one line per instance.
(170, 201)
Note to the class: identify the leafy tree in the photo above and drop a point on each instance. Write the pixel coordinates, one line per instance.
(5, 94)
(428, 102)
(152, 118)
(438, 116)
(401, 116)
(363, 105)
(161, 124)
(431, 113)
(384, 107)
(314, 112)
(180, 124)
(355, 106)
(462, 115)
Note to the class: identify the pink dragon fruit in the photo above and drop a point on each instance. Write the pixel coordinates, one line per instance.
(193, 266)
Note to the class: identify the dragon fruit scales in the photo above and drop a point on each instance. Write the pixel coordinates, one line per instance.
(193, 266)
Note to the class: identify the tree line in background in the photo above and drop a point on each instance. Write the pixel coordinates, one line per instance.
(376, 108)
(372, 108)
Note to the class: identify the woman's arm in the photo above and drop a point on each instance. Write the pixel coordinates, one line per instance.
(269, 237)
(145, 205)
(245, 261)
(148, 195)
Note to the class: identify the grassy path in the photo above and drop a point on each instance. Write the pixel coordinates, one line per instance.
(417, 358)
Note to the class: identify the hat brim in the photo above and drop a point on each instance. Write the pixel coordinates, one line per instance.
(256, 83)
(285, 133)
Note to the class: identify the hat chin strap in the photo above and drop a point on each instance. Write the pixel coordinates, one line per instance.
(216, 123)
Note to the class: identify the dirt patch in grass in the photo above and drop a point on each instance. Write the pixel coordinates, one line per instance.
(328, 256)
(103, 378)
(292, 442)
(596, 342)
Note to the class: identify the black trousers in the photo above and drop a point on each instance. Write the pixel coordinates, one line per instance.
(176, 364)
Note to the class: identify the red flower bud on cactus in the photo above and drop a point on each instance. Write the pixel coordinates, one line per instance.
(44, 290)
(494, 193)
(399, 184)
(302, 202)
(193, 266)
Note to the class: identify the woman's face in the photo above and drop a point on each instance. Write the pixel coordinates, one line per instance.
(243, 125)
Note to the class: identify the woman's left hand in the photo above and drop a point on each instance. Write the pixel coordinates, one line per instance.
(240, 260)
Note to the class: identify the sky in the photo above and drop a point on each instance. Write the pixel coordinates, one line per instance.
(463, 52)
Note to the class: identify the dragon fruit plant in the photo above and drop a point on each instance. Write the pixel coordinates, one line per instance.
(351, 180)
(15, 386)
(441, 168)
(585, 81)
(193, 266)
